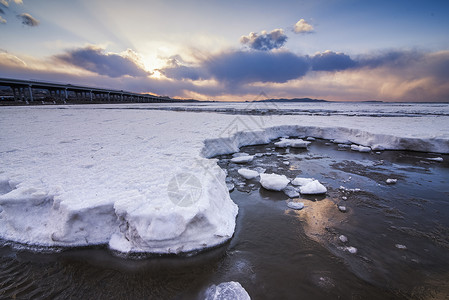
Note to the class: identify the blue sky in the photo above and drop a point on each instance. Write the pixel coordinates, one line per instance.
(233, 50)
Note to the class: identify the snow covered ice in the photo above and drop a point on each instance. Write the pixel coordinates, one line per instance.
(86, 175)
(274, 182)
(227, 291)
(242, 159)
(247, 173)
(295, 205)
(391, 181)
(294, 143)
(313, 188)
(302, 181)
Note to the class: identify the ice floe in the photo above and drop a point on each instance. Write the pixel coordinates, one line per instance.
(274, 182)
(227, 291)
(294, 143)
(439, 159)
(343, 238)
(242, 159)
(247, 173)
(360, 148)
(391, 181)
(301, 181)
(351, 249)
(291, 192)
(295, 205)
(313, 188)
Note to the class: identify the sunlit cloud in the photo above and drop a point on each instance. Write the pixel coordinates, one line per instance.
(302, 27)
(28, 20)
(2, 21)
(96, 60)
(265, 41)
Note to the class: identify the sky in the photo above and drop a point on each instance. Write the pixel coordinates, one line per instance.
(343, 50)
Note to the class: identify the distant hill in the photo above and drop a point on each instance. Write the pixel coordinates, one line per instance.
(295, 100)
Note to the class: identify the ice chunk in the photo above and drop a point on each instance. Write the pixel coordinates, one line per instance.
(351, 250)
(242, 159)
(391, 181)
(402, 247)
(439, 159)
(247, 173)
(238, 154)
(313, 188)
(342, 208)
(360, 148)
(295, 143)
(291, 192)
(295, 205)
(343, 238)
(227, 291)
(310, 138)
(302, 181)
(274, 182)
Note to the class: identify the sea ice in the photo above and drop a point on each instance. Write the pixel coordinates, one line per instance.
(302, 181)
(294, 143)
(439, 159)
(343, 238)
(342, 208)
(391, 181)
(351, 250)
(360, 148)
(402, 247)
(291, 192)
(295, 205)
(274, 182)
(227, 291)
(247, 173)
(242, 159)
(85, 175)
(313, 188)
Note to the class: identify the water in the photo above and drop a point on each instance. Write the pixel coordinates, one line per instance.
(279, 253)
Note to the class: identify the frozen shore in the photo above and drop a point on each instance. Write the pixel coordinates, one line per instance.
(142, 180)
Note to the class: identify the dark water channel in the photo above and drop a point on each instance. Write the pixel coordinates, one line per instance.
(280, 253)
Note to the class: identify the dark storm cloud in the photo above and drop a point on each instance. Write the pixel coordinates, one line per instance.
(2, 11)
(28, 20)
(265, 41)
(331, 61)
(246, 67)
(97, 61)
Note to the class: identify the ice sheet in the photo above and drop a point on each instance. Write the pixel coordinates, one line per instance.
(141, 180)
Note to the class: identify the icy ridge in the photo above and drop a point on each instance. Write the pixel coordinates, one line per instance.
(232, 144)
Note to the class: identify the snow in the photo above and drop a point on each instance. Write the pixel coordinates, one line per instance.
(295, 205)
(242, 159)
(294, 143)
(391, 181)
(112, 174)
(227, 291)
(274, 182)
(247, 173)
(302, 181)
(313, 188)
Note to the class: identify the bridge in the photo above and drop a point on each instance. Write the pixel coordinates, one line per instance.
(28, 91)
